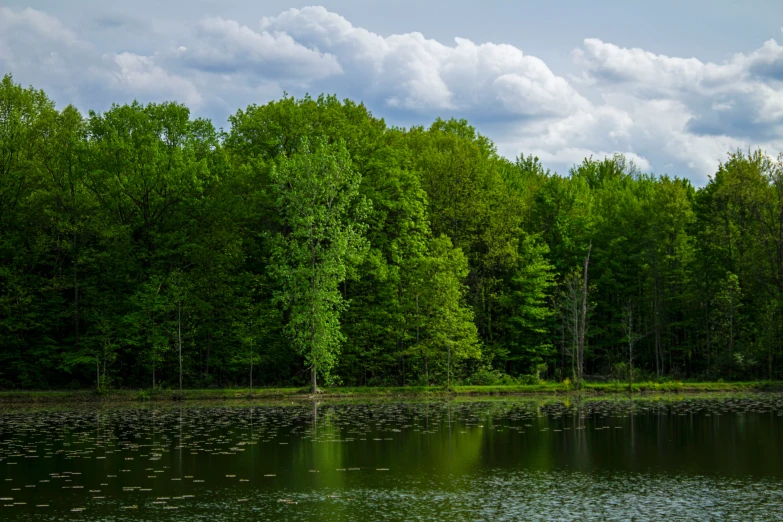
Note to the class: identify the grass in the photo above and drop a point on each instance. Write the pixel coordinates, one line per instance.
(545, 388)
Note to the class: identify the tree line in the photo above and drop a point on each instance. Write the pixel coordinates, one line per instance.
(310, 242)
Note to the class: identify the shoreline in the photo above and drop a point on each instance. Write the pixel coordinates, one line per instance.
(300, 393)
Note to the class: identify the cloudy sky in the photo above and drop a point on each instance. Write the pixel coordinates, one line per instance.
(672, 84)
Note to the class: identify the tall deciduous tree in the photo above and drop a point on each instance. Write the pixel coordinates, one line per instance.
(321, 236)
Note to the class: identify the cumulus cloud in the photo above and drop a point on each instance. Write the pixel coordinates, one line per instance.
(710, 108)
(34, 42)
(224, 46)
(663, 112)
(142, 76)
(648, 73)
(39, 49)
(411, 72)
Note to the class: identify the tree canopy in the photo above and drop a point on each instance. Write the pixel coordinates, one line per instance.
(312, 240)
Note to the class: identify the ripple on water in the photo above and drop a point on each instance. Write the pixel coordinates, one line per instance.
(511, 459)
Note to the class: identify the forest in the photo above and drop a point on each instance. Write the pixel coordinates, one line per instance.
(309, 241)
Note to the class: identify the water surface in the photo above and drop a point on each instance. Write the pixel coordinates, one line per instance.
(510, 459)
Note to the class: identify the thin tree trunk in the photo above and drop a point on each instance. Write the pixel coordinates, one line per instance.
(630, 349)
(448, 365)
(152, 348)
(583, 319)
(75, 299)
(75, 259)
(209, 340)
(313, 376)
(657, 318)
(731, 329)
(562, 348)
(251, 369)
(179, 343)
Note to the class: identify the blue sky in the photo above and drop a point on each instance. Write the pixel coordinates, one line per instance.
(673, 85)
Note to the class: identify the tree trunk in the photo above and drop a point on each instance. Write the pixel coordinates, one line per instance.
(209, 341)
(583, 320)
(179, 343)
(657, 319)
(75, 300)
(448, 365)
(251, 369)
(313, 381)
(562, 348)
(731, 330)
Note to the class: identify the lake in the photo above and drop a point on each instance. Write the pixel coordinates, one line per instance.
(685, 458)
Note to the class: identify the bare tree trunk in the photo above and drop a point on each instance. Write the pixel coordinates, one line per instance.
(179, 343)
(562, 348)
(209, 341)
(731, 329)
(575, 333)
(251, 369)
(628, 323)
(709, 336)
(75, 296)
(152, 348)
(313, 375)
(657, 318)
(448, 365)
(630, 366)
(583, 319)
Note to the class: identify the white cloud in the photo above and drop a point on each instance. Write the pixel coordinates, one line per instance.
(33, 41)
(411, 72)
(141, 75)
(225, 46)
(17, 23)
(663, 112)
(646, 72)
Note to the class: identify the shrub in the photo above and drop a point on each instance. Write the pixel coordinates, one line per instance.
(491, 377)
(620, 371)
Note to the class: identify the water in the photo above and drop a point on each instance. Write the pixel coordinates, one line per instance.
(511, 459)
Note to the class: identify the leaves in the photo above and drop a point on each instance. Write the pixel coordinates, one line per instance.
(323, 238)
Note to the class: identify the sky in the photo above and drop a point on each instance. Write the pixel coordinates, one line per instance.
(673, 85)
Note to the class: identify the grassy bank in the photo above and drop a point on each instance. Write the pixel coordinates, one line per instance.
(589, 389)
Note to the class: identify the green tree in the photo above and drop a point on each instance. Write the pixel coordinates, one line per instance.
(317, 196)
(448, 334)
(530, 309)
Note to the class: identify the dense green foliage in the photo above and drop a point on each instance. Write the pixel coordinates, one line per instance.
(311, 235)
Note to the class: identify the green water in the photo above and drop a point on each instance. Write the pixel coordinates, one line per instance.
(520, 459)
